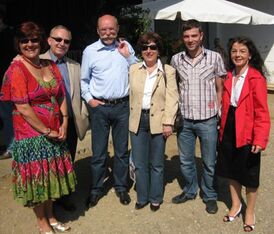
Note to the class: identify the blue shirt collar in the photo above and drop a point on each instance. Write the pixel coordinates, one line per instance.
(113, 46)
(55, 59)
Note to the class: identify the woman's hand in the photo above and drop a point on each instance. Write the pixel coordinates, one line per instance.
(62, 132)
(167, 130)
(53, 134)
(256, 149)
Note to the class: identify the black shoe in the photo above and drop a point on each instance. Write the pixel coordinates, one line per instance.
(211, 206)
(93, 199)
(181, 198)
(139, 206)
(124, 197)
(66, 203)
(154, 207)
(5, 155)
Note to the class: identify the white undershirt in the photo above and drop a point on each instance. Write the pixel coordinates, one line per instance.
(237, 88)
(150, 80)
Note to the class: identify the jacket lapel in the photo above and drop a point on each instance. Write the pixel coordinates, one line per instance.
(228, 83)
(70, 75)
(143, 75)
(245, 89)
(159, 76)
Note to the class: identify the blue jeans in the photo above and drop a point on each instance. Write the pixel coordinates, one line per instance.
(104, 118)
(148, 157)
(206, 131)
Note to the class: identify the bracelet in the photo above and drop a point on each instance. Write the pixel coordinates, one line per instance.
(65, 115)
(47, 133)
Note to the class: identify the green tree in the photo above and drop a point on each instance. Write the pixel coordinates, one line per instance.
(133, 21)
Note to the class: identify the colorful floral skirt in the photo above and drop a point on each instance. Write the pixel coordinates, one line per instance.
(42, 170)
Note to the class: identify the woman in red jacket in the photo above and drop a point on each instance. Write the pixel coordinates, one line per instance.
(245, 125)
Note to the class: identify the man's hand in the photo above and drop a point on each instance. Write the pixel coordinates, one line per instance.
(167, 131)
(123, 49)
(18, 57)
(95, 102)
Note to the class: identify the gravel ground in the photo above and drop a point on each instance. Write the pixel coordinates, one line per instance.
(109, 216)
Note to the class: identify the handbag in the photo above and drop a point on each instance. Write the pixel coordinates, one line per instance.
(179, 121)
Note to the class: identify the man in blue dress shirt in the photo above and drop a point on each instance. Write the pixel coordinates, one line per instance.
(105, 87)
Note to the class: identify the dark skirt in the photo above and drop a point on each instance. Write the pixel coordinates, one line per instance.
(237, 163)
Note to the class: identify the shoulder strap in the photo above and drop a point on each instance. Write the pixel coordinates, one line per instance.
(164, 73)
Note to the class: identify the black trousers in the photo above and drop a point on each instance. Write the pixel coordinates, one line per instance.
(72, 138)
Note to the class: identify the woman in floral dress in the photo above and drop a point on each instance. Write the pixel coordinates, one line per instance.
(41, 166)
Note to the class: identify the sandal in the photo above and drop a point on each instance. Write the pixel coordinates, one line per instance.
(249, 227)
(227, 218)
(42, 232)
(60, 227)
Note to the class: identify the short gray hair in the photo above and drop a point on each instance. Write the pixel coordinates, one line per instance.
(60, 27)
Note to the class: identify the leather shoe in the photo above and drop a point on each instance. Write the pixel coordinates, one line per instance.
(181, 198)
(66, 204)
(211, 206)
(93, 199)
(154, 207)
(139, 206)
(124, 197)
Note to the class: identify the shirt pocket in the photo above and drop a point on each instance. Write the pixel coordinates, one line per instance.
(183, 77)
(207, 72)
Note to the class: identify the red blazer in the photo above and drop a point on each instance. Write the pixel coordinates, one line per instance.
(252, 114)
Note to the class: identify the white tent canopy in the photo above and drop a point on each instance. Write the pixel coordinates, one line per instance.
(219, 11)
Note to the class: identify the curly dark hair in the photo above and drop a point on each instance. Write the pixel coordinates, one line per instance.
(27, 30)
(148, 38)
(256, 60)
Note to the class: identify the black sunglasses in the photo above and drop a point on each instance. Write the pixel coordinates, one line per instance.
(152, 47)
(59, 39)
(27, 40)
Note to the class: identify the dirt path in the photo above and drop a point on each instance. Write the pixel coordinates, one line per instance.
(111, 217)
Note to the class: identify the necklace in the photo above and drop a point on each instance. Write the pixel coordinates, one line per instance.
(196, 55)
(31, 63)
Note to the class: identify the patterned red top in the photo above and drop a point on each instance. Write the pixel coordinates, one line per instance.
(20, 86)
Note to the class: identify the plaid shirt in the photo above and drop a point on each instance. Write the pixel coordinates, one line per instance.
(197, 88)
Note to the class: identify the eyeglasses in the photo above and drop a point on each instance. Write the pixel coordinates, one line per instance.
(27, 40)
(59, 39)
(151, 47)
